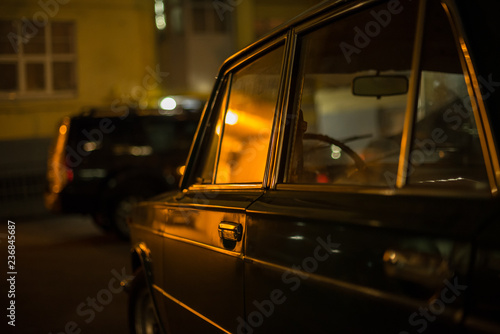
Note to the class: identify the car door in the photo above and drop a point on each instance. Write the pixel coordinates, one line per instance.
(483, 312)
(371, 224)
(205, 226)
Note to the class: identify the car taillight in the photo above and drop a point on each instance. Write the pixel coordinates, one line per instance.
(58, 173)
(69, 174)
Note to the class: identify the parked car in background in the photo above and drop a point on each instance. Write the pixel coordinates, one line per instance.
(102, 162)
(344, 179)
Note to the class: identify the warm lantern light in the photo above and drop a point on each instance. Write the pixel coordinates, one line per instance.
(231, 118)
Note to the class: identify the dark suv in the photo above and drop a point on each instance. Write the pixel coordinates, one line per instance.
(102, 162)
(344, 179)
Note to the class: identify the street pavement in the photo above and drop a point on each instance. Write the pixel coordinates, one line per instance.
(65, 277)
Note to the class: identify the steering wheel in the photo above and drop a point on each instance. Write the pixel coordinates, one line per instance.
(358, 161)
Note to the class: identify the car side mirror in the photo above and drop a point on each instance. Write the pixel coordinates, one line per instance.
(380, 85)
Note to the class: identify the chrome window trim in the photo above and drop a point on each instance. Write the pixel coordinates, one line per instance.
(411, 191)
(228, 186)
(265, 48)
(411, 104)
(279, 126)
(228, 78)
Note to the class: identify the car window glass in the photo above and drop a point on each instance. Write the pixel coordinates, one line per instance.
(206, 162)
(129, 138)
(350, 97)
(445, 147)
(248, 120)
(166, 134)
(161, 134)
(86, 137)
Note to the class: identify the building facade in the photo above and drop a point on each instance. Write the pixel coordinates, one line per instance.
(59, 56)
(56, 58)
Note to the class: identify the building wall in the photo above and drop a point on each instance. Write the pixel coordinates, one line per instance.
(256, 18)
(116, 61)
(192, 56)
(203, 66)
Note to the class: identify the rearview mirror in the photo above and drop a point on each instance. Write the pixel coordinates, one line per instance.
(380, 85)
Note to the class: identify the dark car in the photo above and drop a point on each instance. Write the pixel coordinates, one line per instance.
(344, 179)
(102, 162)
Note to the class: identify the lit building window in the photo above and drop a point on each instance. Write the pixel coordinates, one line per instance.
(37, 60)
(160, 18)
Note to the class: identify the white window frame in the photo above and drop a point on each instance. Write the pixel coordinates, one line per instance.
(47, 59)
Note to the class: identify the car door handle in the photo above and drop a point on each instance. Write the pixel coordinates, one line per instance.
(230, 231)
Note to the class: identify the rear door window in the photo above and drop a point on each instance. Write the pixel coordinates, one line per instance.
(165, 135)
